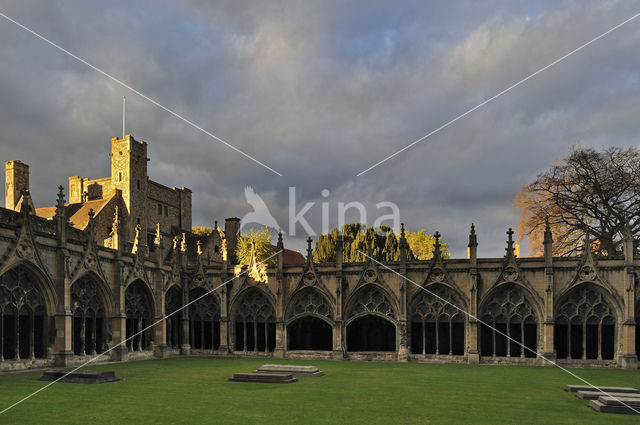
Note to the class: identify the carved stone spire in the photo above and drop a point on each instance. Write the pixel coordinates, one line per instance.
(473, 238)
(25, 206)
(183, 244)
(136, 241)
(472, 248)
(199, 248)
(548, 243)
(176, 239)
(60, 203)
(627, 242)
(309, 250)
(548, 236)
(436, 246)
(403, 244)
(158, 239)
(91, 224)
(588, 252)
(115, 225)
(280, 244)
(223, 250)
(510, 248)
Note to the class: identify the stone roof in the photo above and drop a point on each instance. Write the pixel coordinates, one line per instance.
(77, 213)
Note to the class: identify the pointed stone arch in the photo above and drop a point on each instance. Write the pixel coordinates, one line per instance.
(204, 319)
(173, 303)
(610, 294)
(371, 299)
(254, 315)
(371, 320)
(309, 320)
(103, 288)
(41, 278)
(437, 326)
(309, 301)
(24, 314)
(510, 322)
(91, 308)
(139, 309)
(586, 323)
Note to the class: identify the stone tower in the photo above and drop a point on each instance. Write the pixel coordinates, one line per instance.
(129, 174)
(16, 180)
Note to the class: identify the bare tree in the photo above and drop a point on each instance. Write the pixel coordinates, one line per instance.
(587, 191)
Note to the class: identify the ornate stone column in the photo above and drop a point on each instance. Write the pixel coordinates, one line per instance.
(281, 332)
(548, 326)
(403, 339)
(473, 355)
(629, 358)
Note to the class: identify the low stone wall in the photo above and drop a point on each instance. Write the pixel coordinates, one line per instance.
(141, 355)
(25, 364)
(440, 358)
(587, 363)
(310, 355)
(373, 356)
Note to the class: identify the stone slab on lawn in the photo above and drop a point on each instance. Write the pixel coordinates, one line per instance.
(292, 369)
(79, 376)
(623, 405)
(576, 388)
(266, 378)
(594, 395)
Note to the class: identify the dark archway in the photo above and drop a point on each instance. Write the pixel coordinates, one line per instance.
(310, 333)
(437, 327)
(255, 327)
(371, 321)
(139, 311)
(204, 320)
(173, 303)
(23, 318)
(510, 327)
(309, 315)
(585, 325)
(371, 333)
(89, 326)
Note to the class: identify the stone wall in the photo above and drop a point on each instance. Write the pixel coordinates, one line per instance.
(344, 306)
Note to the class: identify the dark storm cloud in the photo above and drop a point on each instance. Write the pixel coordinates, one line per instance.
(320, 91)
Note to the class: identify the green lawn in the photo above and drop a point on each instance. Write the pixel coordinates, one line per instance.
(196, 391)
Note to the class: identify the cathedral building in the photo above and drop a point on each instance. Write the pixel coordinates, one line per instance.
(109, 272)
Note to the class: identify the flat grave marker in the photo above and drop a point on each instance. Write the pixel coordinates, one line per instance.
(80, 376)
(294, 370)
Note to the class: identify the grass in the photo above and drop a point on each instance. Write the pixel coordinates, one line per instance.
(195, 390)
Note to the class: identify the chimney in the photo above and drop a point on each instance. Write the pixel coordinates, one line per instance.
(231, 230)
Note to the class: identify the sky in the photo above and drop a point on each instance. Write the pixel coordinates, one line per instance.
(319, 91)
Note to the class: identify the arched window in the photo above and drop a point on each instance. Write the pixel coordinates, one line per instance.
(172, 303)
(437, 327)
(204, 320)
(309, 315)
(89, 319)
(371, 321)
(585, 325)
(510, 323)
(255, 328)
(139, 311)
(23, 318)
